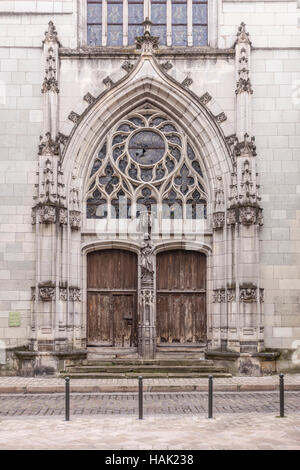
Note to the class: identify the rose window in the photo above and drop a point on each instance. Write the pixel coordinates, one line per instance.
(146, 159)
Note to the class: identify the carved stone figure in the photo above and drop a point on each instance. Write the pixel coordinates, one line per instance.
(147, 266)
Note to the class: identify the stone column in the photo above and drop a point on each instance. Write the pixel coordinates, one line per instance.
(146, 307)
(56, 296)
(219, 317)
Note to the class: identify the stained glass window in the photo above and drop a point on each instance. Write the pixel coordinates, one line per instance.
(114, 23)
(112, 13)
(179, 23)
(159, 20)
(94, 19)
(199, 23)
(135, 20)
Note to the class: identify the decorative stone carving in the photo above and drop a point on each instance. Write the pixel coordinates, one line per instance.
(147, 296)
(242, 35)
(248, 294)
(218, 220)
(231, 294)
(50, 82)
(51, 34)
(219, 196)
(166, 66)
(206, 98)
(89, 98)
(231, 217)
(147, 261)
(75, 294)
(247, 215)
(63, 216)
(47, 292)
(48, 146)
(243, 84)
(63, 293)
(75, 220)
(187, 82)
(108, 82)
(219, 295)
(220, 118)
(147, 42)
(74, 117)
(62, 138)
(127, 66)
(47, 214)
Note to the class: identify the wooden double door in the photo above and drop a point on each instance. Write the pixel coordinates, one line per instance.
(112, 318)
(181, 297)
(112, 298)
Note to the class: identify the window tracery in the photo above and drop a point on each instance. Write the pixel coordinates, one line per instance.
(146, 163)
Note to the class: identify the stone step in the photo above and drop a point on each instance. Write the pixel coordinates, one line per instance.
(145, 369)
(152, 362)
(149, 375)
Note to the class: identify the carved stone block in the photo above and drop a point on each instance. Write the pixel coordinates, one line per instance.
(218, 220)
(75, 220)
(47, 292)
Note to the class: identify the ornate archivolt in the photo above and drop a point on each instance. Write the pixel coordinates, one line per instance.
(146, 162)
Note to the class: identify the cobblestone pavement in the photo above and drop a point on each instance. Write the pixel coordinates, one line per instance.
(241, 432)
(154, 403)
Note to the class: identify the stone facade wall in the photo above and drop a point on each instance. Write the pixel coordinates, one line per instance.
(275, 75)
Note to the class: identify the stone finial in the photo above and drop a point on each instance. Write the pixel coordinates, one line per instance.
(242, 35)
(51, 34)
(147, 42)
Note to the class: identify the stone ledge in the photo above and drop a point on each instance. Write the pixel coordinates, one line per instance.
(131, 52)
(44, 389)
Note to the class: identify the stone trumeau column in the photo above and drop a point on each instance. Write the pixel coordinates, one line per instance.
(244, 218)
(55, 300)
(146, 323)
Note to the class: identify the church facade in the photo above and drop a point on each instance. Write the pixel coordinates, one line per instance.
(150, 192)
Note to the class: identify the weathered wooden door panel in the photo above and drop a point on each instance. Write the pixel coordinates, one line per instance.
(181, 306)
(124, 321)
(99, 320)
(112, 306)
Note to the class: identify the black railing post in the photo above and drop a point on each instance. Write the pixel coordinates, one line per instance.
(67, 399)
(140, 397)
(210, 396)
(281, 395)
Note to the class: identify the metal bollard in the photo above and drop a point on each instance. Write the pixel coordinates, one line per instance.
(210, 396)
(140, 397)
(67, 399)
(281, 395)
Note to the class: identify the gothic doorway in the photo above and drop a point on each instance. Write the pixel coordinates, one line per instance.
(181, 297)
(112, 298)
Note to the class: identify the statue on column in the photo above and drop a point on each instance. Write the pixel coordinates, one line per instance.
(147, 265)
